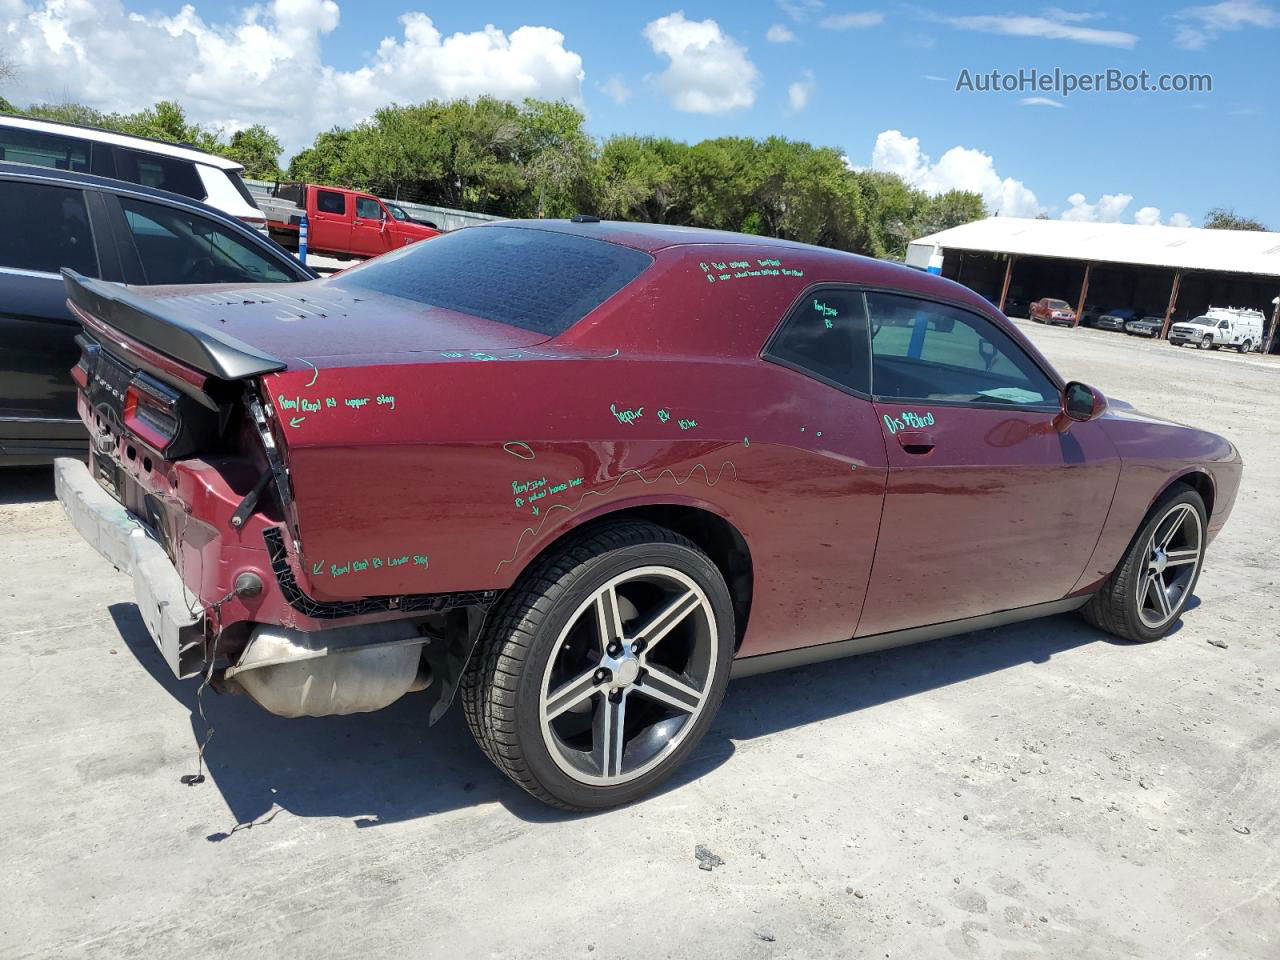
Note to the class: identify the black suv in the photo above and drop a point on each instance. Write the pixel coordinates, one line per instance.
(107, 229)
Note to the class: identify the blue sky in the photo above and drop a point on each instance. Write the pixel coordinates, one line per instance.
(875, 80)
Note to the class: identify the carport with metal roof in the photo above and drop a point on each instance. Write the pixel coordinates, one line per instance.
(1171, 272)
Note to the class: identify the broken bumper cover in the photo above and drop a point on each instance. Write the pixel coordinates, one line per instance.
(173, 614)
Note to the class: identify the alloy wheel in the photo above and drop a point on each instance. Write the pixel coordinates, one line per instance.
(629, 676)
(1172, 560)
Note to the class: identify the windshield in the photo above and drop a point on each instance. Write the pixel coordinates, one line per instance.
(533, 279)
(1058, 305)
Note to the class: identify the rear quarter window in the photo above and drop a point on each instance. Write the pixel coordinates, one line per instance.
(55, 232)
(44, 150)
(162, 173)
(533, 279)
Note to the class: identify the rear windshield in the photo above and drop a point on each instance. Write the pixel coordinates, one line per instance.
(528, 278)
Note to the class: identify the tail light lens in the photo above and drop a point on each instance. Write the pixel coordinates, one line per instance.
(83, 369)
(151, 411)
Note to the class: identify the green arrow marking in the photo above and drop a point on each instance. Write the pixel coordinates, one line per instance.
(294, 421)
(317, 567)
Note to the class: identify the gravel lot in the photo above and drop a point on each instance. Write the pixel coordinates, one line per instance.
(1036, 790)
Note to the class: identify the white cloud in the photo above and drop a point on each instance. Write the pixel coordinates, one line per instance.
(1147, 216)
(1110, 208)
(779, 34)
(1201, 25)
(265, 63)
(616, 89)
(709, 71)
(1047, 27)
(1150, 217)
(799, 92)
(801, 10)
(960, 168)
(1071, 16)
(852, 21)
(1042, 102)
(934, 77)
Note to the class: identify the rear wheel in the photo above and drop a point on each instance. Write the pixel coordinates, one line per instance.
(1245, 347)
(603, 666)
(1146, 593)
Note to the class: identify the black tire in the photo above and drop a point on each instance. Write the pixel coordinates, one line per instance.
(1114, 608)
(1206, 342)
(1244, 347)
(502, 685)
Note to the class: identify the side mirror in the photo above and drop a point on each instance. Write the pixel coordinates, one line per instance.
(1080, 404)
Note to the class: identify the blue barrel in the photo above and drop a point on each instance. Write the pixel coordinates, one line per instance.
(302, 240)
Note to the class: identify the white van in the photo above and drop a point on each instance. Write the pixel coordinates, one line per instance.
(1221, 327)
(152, 163)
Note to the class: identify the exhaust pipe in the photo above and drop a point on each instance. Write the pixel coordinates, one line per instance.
(294, 673)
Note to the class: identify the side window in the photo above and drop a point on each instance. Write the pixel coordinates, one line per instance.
(826, 336)
(55, 229)
(163, 173)
(176, 246)
(1223, 325)
(929, 351)
(368, 208)
(329, 202)
(44, 150)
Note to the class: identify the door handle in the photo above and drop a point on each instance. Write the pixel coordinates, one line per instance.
(915, 441)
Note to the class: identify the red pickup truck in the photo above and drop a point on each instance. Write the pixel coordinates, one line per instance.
(343, 222)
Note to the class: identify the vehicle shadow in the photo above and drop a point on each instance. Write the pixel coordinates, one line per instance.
(25, 485)
(389, 766)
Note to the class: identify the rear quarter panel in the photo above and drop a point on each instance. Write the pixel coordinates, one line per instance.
(453, 472)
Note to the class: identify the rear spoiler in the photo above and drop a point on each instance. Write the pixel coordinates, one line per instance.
(164, 329)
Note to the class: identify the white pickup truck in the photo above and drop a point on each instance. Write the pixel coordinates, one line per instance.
(1221, 327)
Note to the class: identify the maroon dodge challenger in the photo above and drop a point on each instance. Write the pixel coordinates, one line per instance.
(582, 473)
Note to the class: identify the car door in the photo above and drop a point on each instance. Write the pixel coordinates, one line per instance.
(37, 332)
(330, 221)
(164, 244)
(988, 507)
(371, 233)
(830, 485)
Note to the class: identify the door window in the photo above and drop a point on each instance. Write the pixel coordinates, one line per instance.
(932, 352)
(177, 246)
(44, 149)
(368, 208)
(825, 336)
(162, 173)
(327, 201)
(55, 229)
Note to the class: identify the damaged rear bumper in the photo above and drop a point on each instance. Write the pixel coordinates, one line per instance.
(173, 615)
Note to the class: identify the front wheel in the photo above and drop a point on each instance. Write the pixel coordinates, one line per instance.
(1146, 593)
(603, 666)
(1206, 342)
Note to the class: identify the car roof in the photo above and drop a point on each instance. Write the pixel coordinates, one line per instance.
(652, 237)
(147, 144)
(67, 178)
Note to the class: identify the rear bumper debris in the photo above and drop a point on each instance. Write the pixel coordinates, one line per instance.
(172, 613)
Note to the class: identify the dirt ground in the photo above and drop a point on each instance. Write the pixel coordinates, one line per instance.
(1032, 791)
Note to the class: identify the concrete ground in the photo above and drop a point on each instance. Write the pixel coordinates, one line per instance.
(1038, 790)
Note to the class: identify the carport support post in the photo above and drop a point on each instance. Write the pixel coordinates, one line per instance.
(1008, 275)
(1084, 292)
(1173, 302)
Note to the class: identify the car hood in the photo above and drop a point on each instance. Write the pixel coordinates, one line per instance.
(331, 324)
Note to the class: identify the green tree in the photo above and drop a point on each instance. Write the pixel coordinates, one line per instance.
(1223, 218)
(257, 150)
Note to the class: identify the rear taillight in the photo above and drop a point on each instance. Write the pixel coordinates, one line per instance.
(151, 411)
(83, 369)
